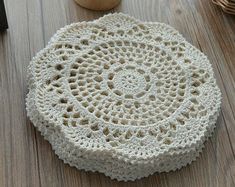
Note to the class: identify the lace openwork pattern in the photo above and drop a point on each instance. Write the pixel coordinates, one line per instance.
(123, 97)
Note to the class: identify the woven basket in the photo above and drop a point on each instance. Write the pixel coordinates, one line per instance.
(227, 5)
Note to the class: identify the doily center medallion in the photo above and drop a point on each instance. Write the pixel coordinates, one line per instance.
(129, 82)
(120, 86)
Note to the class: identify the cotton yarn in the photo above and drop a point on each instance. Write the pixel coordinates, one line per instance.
(123, 97)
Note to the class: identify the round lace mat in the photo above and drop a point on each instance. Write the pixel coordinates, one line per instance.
(131, 91)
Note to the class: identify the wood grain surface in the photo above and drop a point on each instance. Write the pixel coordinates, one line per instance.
(27, 160)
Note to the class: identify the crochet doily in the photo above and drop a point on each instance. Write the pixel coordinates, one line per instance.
(123, 97)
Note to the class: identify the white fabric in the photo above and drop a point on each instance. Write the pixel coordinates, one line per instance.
(123, 97)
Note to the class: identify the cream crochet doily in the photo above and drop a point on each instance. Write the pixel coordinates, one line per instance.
(123, 97)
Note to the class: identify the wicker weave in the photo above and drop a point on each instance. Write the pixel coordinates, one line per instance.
(227, 5)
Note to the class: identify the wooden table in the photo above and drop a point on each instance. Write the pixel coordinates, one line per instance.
(26, 159)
